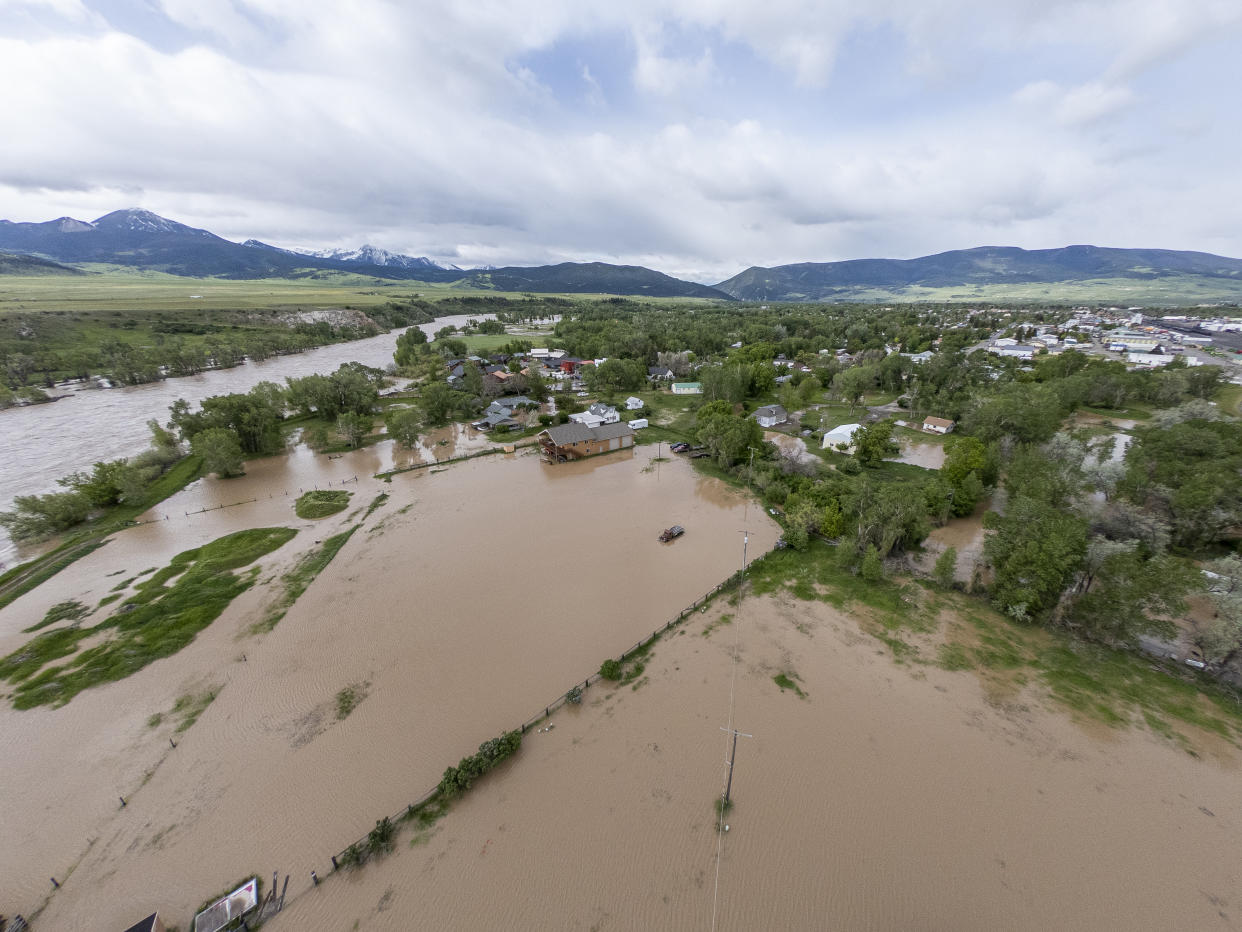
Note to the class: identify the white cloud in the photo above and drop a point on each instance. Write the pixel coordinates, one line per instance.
(315, 123)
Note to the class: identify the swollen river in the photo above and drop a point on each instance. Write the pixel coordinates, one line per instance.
(44, 442)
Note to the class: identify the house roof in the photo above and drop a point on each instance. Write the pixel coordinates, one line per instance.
(776, 411)
(843, 434)
(576, 433)
(938, 422)
(601, 409)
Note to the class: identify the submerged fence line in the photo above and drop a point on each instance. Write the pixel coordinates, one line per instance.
(388, 474)
(341, 858)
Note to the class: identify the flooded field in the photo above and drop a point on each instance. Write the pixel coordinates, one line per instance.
(887, 798)
(921, 453)
(473, 597)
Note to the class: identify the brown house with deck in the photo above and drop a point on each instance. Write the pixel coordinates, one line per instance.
(574, 441)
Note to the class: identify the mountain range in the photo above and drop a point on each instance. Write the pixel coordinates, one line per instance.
(141, 239)
(965, 268)
(144, 240)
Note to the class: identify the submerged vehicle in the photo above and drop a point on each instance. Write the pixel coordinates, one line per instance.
(672, 533)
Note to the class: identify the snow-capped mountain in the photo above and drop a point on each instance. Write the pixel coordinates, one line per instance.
(374, 255)
(134, 220)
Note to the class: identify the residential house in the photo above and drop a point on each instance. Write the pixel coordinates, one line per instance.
(586, 419)
(633, 403)
(938, 425)
(771, 415)
(574, 441)
(596, 415)
(687, 388)
(919, 358)
(840, 436)
(659, 374)
(500, 413)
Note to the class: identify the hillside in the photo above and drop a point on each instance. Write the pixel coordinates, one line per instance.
(1085, 272)
(593, 278)
(11, 264)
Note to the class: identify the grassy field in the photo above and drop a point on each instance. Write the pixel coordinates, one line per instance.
(125, 290)
(112, 288)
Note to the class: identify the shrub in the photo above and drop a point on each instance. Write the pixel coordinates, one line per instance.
(610, 669)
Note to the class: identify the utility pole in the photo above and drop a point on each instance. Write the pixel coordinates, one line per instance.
(731, 760)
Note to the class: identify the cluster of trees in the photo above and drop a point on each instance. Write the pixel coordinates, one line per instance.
(228, 428)
(123, 481)
(1097, 545)
(457, 780)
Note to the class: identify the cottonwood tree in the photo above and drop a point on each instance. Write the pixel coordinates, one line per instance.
(220, 449)
(1035, 550)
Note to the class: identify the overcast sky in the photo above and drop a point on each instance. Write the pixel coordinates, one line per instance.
(697, 137)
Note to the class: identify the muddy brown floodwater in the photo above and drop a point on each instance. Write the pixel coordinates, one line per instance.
(887, 798)
(475, 596)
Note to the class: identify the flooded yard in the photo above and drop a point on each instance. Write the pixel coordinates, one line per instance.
(883, 798)
(473, 597)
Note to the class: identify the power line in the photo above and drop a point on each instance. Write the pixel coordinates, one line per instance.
(730, 755)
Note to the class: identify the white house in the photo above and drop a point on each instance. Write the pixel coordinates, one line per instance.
(840, 436)
(771, 415)
(937, 425)
(1018, 351)
(687, 388)
(598, 414)
(633, 404)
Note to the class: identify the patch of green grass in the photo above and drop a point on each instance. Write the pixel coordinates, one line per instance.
(190, 706)
(319, 503)
(109, 599)
(155, 720)
(954, 657)
(156, 622)
(786, 681)
(375, 503)
(349, 699)
(123, 584)
(725, 619)
(818, 573)
(300, 577)
(71, 610)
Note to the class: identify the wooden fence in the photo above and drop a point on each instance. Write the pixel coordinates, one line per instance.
(340, 859)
